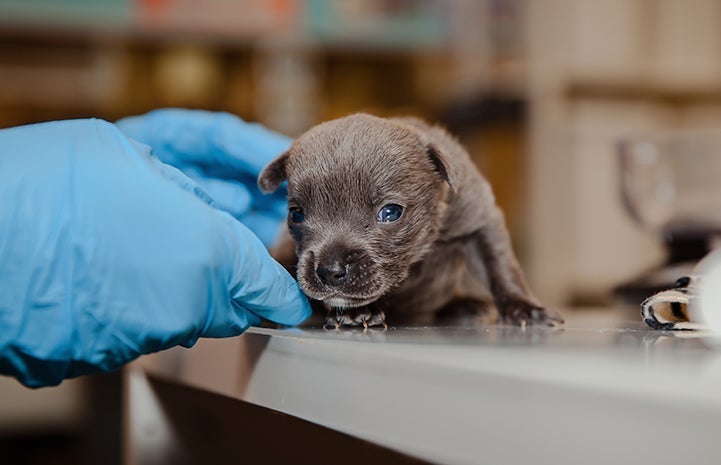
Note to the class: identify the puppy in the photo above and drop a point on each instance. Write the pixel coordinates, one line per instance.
(389, 218)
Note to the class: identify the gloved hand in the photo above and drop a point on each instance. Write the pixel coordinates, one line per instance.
(106, 254)
(223, 154)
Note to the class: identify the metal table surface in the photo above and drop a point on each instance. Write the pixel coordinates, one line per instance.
(601, 389)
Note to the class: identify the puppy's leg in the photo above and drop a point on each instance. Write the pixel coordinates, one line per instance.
(515, 302)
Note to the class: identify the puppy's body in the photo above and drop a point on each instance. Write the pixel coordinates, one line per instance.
(389, 217)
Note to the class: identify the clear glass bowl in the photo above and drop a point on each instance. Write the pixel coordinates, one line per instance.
(671, 182)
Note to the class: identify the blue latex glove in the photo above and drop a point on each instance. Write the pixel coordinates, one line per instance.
(223, 154)
(106, 254)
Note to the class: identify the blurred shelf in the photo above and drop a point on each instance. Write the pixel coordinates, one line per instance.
(643, 91)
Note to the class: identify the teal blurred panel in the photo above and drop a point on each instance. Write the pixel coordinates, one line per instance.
(381, 24)
(86, 13)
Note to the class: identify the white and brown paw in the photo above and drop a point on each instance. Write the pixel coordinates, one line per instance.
(668, 310)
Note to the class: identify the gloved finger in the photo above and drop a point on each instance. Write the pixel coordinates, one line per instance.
(221, 144)
(223, 323)
(263, 224)
(259, 283)
(179, 178)
(253, 319)
(261, 214)
(210, 145)
(262, 217)
(230, 196)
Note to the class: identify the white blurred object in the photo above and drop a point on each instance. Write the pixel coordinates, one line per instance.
(706, 308)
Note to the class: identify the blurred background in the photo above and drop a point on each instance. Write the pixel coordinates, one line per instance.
(540, 92)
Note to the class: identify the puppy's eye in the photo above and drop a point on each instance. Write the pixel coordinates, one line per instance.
(389, 213)
(296, 215)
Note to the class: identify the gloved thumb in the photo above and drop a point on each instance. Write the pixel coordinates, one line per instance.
(258, 283)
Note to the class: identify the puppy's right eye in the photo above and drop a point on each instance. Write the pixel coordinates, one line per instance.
(389, 213)
(296, 215)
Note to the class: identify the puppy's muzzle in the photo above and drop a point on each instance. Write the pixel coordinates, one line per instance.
(340, 276)
(340, 269)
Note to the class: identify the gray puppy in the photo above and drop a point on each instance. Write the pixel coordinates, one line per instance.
(389, 217)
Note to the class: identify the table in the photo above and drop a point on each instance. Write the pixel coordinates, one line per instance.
(602, 389)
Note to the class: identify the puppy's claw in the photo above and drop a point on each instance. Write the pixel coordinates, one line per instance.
(522, 313)
(365, 316)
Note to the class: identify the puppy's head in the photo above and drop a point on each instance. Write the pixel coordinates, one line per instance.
(365, 201)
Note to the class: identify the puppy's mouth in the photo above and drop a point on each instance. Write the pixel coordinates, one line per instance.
(338, 298)
(340, 303)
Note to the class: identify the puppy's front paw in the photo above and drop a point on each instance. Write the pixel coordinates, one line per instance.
(363, 316)
(520, 312)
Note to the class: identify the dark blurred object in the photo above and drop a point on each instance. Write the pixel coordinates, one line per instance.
(484, 110)
(493, 127)
(103, 438)
(42, 449)
(88, 437)
(671, 187)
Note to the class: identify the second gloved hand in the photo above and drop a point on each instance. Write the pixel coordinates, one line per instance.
(223, 154)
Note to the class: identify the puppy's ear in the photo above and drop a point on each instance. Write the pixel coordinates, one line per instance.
(274, 174)
(442, 165)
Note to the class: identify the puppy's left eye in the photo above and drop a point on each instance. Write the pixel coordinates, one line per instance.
(389, 213)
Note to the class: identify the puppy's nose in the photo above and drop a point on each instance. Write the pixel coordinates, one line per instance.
(333, 273)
